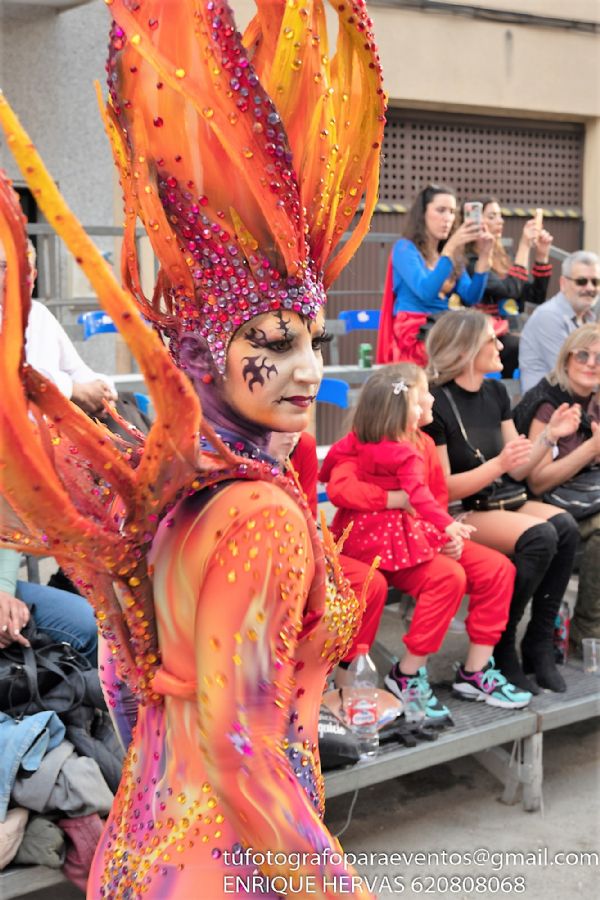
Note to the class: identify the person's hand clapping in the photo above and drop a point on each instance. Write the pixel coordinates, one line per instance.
(595, 440)
(14, 615)
(565, 420)
(514, 454)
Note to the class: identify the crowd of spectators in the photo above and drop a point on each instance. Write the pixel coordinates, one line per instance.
(454, 302)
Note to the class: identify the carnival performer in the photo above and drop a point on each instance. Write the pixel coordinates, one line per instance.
(246, 160)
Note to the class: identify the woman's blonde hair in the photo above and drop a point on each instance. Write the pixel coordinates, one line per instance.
(580, 339)
(454, 342)
(382, 410)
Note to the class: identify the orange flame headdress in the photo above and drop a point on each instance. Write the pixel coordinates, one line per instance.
(246, 160)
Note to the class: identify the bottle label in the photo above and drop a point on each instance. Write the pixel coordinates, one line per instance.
(362, 712)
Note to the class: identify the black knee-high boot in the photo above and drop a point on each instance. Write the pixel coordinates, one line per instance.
(537, 648)
(533, 554)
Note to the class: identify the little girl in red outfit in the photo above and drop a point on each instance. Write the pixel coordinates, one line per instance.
(423, 550)
(385, 426)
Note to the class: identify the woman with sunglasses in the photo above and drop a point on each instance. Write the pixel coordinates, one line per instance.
(575, 379)
(426, 274)
(478, 447)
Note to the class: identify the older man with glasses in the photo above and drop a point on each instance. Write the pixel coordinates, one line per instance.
(575, 304)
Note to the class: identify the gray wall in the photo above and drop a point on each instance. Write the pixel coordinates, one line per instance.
(48, 63)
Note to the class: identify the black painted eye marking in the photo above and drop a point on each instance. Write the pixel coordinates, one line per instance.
(253, 371)
(257, 337)
(283, 324)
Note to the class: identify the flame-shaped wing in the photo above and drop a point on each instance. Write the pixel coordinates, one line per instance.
(56, 461)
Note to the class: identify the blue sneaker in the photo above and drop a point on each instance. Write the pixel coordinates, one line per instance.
(491, 686)
(436, 714)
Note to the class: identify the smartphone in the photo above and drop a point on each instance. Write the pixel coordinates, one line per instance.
(473, 211)
(539, 218)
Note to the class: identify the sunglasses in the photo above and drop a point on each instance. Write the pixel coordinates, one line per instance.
(581, 282)
(583, 356)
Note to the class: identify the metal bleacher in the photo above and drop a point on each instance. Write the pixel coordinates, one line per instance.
(18, 881)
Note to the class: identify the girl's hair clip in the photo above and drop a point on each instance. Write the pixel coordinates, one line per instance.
(400, 387)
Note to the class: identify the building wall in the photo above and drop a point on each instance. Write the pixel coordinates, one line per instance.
(453, 61)
(572, 9)
(48, 62)
(458, 64)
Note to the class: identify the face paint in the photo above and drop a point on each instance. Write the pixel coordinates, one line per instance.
(256, 371)
(276, 387)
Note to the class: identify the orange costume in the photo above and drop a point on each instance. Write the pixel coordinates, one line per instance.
(246, 160)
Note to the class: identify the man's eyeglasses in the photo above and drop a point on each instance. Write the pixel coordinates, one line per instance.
(581, 282)
(583, 356)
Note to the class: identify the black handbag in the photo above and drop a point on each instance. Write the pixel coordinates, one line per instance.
(28, 675)
(502, 493)
(580, 495)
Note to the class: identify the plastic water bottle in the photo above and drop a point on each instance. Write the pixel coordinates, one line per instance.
(361, 705)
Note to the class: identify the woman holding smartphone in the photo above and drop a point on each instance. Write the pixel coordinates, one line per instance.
(510, 280)
(426, 274)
